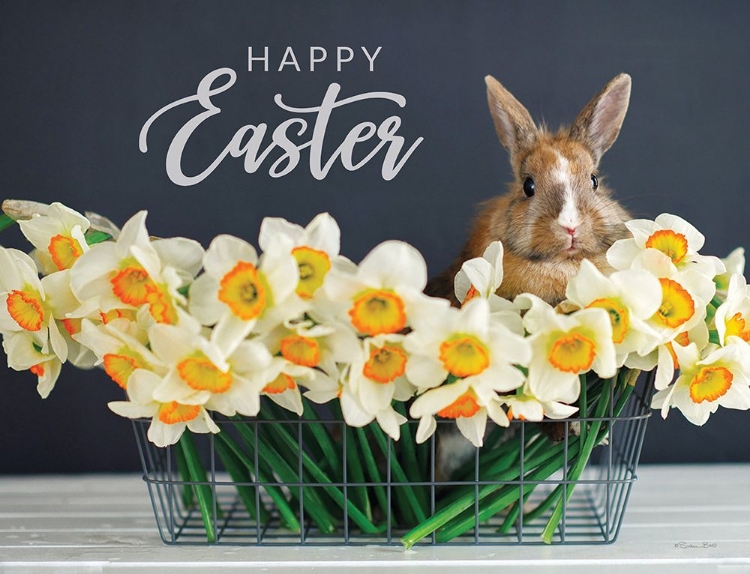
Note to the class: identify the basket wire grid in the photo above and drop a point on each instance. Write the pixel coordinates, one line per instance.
(593, 514)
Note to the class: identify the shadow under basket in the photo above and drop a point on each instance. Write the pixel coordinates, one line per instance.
(280, 479)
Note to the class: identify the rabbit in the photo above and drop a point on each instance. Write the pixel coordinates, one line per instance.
(557, 211)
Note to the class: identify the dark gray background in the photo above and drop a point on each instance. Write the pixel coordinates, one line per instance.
(79, 79)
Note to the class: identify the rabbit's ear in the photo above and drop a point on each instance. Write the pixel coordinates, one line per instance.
(513, 123)
(599, 123)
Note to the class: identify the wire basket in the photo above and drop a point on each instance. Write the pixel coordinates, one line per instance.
(593, 514)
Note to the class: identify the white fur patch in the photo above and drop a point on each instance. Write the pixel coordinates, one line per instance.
(569, 216)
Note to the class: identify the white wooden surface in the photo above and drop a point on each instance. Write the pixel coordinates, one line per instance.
(680, 519)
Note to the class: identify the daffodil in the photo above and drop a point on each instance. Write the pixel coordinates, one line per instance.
(24, 355)
(237, 290)
(134, 272)
(481, 277)
(118, 349)
(58, 236)
(734, 263)
(733, 316)
(34, 305)
(631, 297)
(467, 344)
(672, 236)
(315, 248)
(385, 291)
(524, 406)
(200, 372)
(280, 380)
(718, 377)
(168, 419)
(564, 346)
(685, 294)
(467, 402)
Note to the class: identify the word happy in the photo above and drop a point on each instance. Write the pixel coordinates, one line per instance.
(250, 141)
(316, 55)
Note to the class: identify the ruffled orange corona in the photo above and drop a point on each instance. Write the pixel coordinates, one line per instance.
(464, 355)
(572, 353)
(385, 364)
(378, 311)
(64, 251)
(26, 308)
(313, 267)
(710, 383)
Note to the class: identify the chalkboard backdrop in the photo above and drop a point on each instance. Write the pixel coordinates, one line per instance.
(78, 81)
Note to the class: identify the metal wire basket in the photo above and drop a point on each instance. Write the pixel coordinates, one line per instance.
(592, 515)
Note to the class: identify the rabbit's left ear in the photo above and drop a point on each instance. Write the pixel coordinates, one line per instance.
(599, 123)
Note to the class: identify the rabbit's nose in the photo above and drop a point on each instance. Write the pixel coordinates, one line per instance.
(570, 230)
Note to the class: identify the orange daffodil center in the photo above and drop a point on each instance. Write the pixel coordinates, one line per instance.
(26, 308)
(572, 353)
(677, 306)
(313, 267)
(300, 350)
(674, 245)
(618, 316)
(202, 375)
(735, 326)
(173, 413)
(245, 291)
(710, 383)
(132, 284)
(385, 364)
(464, 355)
(64, 251)
(119, 366)
(280, 384)
(378, 311)
(465, 406)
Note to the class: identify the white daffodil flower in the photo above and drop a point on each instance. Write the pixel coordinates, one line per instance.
(315, 248)
(24, 355)
(481, 277)
(385, 292)
(118, 349)
(631, 297)
(239, 294)
(671, 235)
(58, 236)
(524, 406)
(466, 343)
(734, 263)
(280, 380)
(564, 346)
(732, 318)
(377, 373)
(721, 377)
(685, 294)
(168, 419)
(133, 272)
(201, 373)
(33, 305)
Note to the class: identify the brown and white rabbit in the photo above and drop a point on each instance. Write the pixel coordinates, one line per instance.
(556, 212)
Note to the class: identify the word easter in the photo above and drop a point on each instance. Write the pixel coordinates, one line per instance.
(317, 55)
(248, 141)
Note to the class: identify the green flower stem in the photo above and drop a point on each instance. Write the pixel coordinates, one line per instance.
(583, 407)
(321, 436)
(503, 496)
(717, 301)
(274, 492)
(575, 472)
(241, 477)
(314, 505)
(513, 513)
(356, 474)
(319, 476)
(203, 492)
(186, 491)
(5, 221)
(467, 499)
(407, 497)
(411, 466)
(372, 469)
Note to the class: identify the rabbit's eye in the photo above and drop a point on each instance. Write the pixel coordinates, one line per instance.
(529, 187)
(594, 181)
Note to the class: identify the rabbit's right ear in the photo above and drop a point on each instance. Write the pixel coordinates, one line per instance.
(513, 123)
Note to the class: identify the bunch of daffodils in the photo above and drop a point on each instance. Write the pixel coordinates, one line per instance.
(192, 334)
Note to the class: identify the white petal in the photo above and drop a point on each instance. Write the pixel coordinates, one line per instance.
(394, 264)
(224, 252)
(427, 427)
(163, 435)
(181, 253)
(425, 372)
(323, 233)
(473, 428)
(694, 237)
(622, 253)
(275, 229)
(390, 421)
(133, 233)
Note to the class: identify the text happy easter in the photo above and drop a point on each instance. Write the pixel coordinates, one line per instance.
(281, 149)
